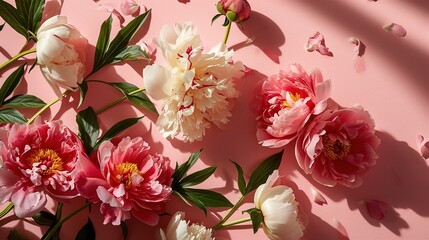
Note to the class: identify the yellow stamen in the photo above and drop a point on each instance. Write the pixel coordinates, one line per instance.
(48, 158)
(336, 150)
(124, 171)
(295, 97)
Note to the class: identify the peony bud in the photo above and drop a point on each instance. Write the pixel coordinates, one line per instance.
(235, 10)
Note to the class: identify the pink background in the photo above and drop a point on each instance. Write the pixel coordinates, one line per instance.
(394, 88)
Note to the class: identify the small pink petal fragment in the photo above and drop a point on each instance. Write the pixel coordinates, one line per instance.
(112, 11)
(317, 43)
(129, 7)
(395, 29)
(377, 209)
(423, 146)
(341, 229)
(317, 197)
(359, 61)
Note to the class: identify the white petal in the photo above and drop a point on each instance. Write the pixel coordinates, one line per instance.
(158, 85)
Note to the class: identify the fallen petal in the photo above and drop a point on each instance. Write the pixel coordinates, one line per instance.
(112, 11)
(317, 43)
(377, 209)
(423, 146)
(317, 197)
(395, 29)
(341, 229)
(129, 7)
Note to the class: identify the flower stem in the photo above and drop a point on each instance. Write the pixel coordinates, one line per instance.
(232, 223)
(46, 107)
(6, 210)
(32, 50)
(52, 232)
(113, 103)
(229, 214)
(228, 29)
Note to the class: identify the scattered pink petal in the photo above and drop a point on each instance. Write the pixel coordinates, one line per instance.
(359, 61)
(377, 209)
(423, 146)
(341, 229)
(129, 7)
(317, 43)
(112, 11)
(395, 29)
(317, 197)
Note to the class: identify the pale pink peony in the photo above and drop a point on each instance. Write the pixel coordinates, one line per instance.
(338, 146)
(240, 8)
(285, 102)
(127, 179)
(60, 53)
(35, 160)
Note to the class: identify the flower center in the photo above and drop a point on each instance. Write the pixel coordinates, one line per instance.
(47, 160)
(335, 150)
(290, 99)
(124, 172)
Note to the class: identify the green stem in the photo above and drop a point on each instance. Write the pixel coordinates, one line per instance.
(229, 214)
(113, 103)
(228, 29)
(17, 57)
(46, 107)
(232, 223)
(52, 232)
(6, 210)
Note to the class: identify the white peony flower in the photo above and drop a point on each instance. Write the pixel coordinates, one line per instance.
(196, 87)
(179, 229)
(280, 210)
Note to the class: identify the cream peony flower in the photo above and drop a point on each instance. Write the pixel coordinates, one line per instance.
(179, 229)
(280, 210)
(196, 87)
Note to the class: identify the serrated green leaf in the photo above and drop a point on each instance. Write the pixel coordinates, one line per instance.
(208, 198)
(87, 232)
(124, 229)
(10, 115)
(11, 83)
(184, 168)
(240, 179)
(15, 235)
(132, 53)
(116, 129)
(263, 171)
(82, 93)
(24, 101)
(88, 128)
(197, 177)
(257, 218)
(134, 95)
(102, 42)
(13, 18)
(215, 17)
(44, 218)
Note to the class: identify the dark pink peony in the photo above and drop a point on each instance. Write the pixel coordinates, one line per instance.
(285, 102)
(127, 180)
(38, 159)
(338, 146)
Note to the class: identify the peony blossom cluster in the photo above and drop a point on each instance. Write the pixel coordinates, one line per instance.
(196, 87)
(334, 144)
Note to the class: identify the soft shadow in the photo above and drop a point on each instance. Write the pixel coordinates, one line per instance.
(52, 8)
(256, 29)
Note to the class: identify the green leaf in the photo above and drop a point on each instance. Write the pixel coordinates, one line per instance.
(15, 235)
(226, 22)
(103, 41)
(241, 182)
(58, 215)
(197, 202)
(44, 218)
(11, 83)
(13, 18)
(124, 229)
(82, 93)
(24, 101)
(6, 210)
(184, 168)
(10, 115)
(197, 177)
(88, 128)
(132, 53)
(216, 17)
(87, 232)
(208, 198)
(263, 171)
(31, 12)
(257, 218)
(116, 129)
(134, 95)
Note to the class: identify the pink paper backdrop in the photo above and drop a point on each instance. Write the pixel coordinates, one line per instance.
(394, 88)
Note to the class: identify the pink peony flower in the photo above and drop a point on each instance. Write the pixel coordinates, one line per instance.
(36, 160)
(286, 101)
(235, 10)
(127, 180)
(337, 146)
